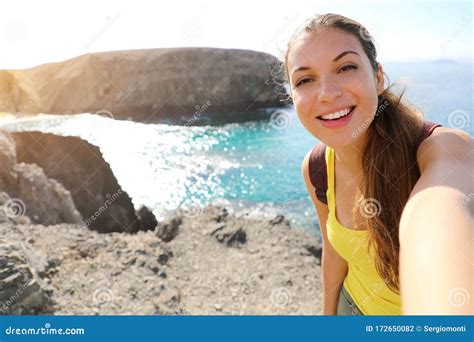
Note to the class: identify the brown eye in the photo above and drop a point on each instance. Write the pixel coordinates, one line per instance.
(348, 67)
(303, 81)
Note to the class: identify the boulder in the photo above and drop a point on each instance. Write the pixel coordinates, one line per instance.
(147, 219)
(22, 291)
(80, 167)
(168, 229)
(28, 195)
(42, 199)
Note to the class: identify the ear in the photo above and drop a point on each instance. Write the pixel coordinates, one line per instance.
(379, 79)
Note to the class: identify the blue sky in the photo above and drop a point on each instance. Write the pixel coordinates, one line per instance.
(37, 32)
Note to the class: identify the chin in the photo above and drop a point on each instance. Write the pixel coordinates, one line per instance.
(338, 141)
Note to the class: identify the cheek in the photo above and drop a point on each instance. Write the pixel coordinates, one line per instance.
(304, 109)
(366, 94)
(369, 104)
(301, 105)
(305, 112)
(304, 105)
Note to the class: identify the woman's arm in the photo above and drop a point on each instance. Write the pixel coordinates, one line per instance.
(334, 267)
(437, 229)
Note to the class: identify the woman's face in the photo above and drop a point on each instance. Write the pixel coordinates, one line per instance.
(329, 72)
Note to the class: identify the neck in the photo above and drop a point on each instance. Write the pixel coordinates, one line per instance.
(349, 157)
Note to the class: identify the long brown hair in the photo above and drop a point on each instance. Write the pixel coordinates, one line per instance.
(389, 164)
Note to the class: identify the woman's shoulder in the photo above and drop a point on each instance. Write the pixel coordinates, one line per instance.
(444, 143)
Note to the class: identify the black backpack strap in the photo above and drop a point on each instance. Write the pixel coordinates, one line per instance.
(318, 171)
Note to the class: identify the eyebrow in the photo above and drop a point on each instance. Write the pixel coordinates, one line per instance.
(338, 57)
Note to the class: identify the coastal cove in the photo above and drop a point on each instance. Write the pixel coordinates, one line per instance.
(130, 187)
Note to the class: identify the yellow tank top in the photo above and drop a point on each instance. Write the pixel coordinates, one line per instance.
(363, 283)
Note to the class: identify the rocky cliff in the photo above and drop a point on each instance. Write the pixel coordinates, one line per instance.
(187, 86)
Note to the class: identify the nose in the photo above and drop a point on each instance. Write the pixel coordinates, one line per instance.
(328, 90)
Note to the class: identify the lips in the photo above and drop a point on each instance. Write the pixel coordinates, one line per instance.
(338, 123)
(320, 116)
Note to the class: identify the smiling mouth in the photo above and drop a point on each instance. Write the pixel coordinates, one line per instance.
(352, 109)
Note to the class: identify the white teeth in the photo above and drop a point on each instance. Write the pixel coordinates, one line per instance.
(336, 115)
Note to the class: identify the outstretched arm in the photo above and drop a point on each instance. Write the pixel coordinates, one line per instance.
(437, 229)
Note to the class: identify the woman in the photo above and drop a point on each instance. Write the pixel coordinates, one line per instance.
(403, 185)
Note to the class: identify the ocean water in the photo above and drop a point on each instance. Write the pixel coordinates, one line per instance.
(254, 165)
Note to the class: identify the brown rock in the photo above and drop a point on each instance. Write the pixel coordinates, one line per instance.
(42, 199)
(168, 229)
(80, 167)
(21, 289)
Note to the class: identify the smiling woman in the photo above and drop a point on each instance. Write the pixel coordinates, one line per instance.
(372, 154)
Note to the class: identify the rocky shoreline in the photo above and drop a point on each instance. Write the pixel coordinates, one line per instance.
(198, 261)
(269, 268)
